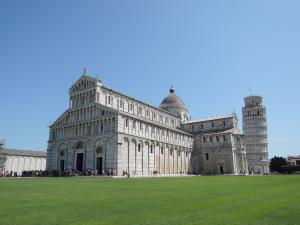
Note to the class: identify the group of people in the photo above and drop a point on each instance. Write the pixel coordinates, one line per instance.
(58, 173)
(30, 173)
(69, 173)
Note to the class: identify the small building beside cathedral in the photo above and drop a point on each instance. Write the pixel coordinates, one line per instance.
(16, 161)
(106, 130)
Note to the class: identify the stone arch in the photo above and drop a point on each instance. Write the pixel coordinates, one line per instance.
(62, 156)
(126, 139)
(100, 147)
(152, 157)
(140, 145)
(79, 155)
(127, 156)
(146, 159)
(172, 158)
(133, 141)
(140, 156)
(133, 155)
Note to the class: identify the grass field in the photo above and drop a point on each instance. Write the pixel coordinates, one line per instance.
(179, 200)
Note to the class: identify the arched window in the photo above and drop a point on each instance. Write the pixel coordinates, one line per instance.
(139, 147)
(206, 156)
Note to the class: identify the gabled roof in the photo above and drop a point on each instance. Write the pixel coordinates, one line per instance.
(140, 101)
(70, 109)
(177, 129)
(120, 93)
(18, 152)
(84, 77)
(211, 118)
(214, 132)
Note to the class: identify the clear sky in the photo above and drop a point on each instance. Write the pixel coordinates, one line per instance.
(211, 51)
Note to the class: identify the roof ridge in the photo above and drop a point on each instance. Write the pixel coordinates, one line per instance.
(19, 152)
(140, 101)
(211, 118)
(23, 150)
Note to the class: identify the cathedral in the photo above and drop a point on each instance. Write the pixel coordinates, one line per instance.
(104, 130)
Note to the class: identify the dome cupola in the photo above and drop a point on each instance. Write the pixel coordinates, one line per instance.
(174, 104)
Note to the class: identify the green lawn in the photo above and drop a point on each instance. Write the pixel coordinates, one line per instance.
(223, 200)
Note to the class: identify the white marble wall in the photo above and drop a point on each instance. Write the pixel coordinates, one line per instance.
(68, 150)
(163, 159)
(24, 163)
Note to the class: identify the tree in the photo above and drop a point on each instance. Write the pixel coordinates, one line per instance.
(277, 163)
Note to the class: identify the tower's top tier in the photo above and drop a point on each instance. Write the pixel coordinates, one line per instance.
(2, 143)
(253, 101)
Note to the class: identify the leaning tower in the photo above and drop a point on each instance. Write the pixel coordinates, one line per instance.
(255, 130)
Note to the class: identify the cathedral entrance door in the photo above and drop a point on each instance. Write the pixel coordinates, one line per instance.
(221, 170)
(99, 165)
(79, 162)
(62, 165)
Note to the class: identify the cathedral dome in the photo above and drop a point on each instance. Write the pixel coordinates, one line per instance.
(172, 100)
(174, 104)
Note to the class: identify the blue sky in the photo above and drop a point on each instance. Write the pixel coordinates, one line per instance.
(211, 51)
